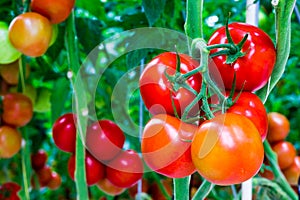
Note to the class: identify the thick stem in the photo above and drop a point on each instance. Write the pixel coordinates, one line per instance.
(182, 188)
(193, 25)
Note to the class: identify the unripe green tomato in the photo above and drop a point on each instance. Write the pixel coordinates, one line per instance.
(8, 53)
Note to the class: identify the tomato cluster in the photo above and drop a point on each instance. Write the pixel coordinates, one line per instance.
(107, 165)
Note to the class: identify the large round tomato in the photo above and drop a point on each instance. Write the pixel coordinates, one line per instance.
(125, 170)
(10, 141)
(157, 91)
(255, 67)
(93, 168)
(55, 10)
(110, 137)
(250, 105)
(166, 146)
(292, 173)
(286, 153)
(227, 149)
(64, 132)
(17, 109)
(279, 127)
(30, 33)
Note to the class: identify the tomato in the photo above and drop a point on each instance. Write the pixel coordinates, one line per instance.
(108, 188)
(125, 170)
(9, 191)
(227, 149)
(157, 91)
(10, 72)
(55, 10)
(166, 148)
(286, 153)
(55, 181)
(10, 141)
(30, 33)
(93, 168)
(17, 109)
(44, 175)
(255, 67)
(109, 135)
(64, 132)
(250, 106)
(279, 127)
(292, 173)
(39, 159)
(8, 53)
(156, 193)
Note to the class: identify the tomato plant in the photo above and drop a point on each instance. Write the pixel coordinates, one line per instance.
(9, 191)
(158, 92)
(30, 33)
(109, 135)
(10, 141)
(227, 149)
(93, 168)
(252, 69)
(125, 170)
(279, 127)
(39, 159)
(166, 148)
(292, 173)
(286, 153)
(56, 11)
(64, 132)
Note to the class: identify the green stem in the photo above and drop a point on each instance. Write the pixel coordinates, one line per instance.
(26, 6)
(193, 25)
(203, 190)
(26, 167)
(280, 179)
(161, 186)
(182, 188)
(216, 46)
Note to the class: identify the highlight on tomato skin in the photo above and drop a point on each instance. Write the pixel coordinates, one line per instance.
(285, 152)
(279, 127)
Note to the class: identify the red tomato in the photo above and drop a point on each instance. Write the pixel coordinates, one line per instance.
(9, 191)
(17, 109)
(39, 159)
(55, 10)
(166, 148)
(108, 188)
(251, 107)
(286, 153)
(109, 135)
(93, 168)
(44, 175)
(279, 127)
(10, 141)
(157, 91)
(292, 173)
(227, 149)
(55, 181)
(125, 170)
(30, 33)
(255, 67)
(64, 132)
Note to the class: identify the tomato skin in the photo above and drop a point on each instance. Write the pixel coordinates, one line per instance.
(108, 188)
(39, 159)
(56, 11)
(292, 173)
(165, 146)
(17, 109)
(227, 149)
(44, 176)
(9, 191)
(93, 168)
(279, 127)
(286, 153)
(125, 170)
(64, 132)
(10, 141)
(109, 135)
(55, 181)
(157, 91)
(251, 107)
(253, 69)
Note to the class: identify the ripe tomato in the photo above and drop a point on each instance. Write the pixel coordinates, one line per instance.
(93, 168)
(44, 176)
(156, 193)
(9, 191)
(125, 170)
(157, 91)
(64, 132)
(279, 127)
(10, 141)
(255, 67)
(108, 188)
(17, 109)
(55, 181)
(292, 173)
(227, 149)
(10, 72)
(55, 10)
(166, 148)
(39, 159)
(251, 107)
(109, 135)
(286, 153)
(30, 33)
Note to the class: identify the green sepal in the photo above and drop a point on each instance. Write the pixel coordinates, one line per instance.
(231, 58)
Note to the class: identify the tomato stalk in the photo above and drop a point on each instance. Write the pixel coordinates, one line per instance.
(203, 190)
(180, 185)
(193, 25)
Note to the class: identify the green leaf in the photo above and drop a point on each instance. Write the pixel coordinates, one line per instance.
(153, 9)
(203, 190)
(94, 7)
